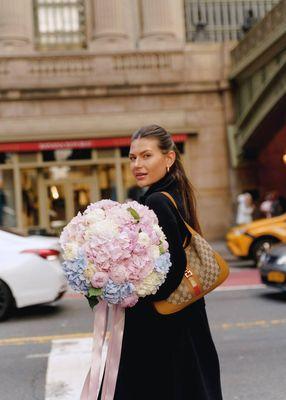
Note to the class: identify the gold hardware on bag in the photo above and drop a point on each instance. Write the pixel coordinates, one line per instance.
(188, 273)
(205, 270)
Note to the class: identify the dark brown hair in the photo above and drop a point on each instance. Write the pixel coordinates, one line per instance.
(166, 144)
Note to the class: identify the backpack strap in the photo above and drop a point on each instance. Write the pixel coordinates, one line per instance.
(189, 228)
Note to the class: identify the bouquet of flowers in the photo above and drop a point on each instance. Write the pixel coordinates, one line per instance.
(115, 252)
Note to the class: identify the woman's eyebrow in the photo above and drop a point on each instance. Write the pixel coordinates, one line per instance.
(142, 152)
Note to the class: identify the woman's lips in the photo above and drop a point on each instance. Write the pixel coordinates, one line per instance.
(140, 176)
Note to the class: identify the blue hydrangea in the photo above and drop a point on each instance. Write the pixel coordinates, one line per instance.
(114, 293)
(74, 273)
(163, 263)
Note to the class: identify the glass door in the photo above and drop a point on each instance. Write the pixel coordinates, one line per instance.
(81, 196)
(56, 206)
(65, 198)
(106, 175)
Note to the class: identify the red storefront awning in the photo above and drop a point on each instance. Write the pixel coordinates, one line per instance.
(74, 144)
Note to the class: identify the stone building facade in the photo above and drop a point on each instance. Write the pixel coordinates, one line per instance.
(68, 107)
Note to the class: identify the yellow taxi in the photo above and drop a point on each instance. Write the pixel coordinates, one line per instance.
(251, 240)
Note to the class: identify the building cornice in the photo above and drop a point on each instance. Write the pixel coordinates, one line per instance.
(90, 126)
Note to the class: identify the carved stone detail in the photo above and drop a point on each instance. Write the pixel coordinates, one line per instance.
(110, 25)
(15, 24)
(61, 66)
(161, 23)
(142, 61)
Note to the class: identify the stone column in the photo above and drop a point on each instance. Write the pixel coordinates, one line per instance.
(162, 23)
(110, 29)
(16, 25)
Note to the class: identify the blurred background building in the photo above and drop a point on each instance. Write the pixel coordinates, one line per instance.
(258, 77)
(77, 77)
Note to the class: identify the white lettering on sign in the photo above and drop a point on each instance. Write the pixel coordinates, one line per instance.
(65, 145)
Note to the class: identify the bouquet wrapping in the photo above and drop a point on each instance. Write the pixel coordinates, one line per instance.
(114, 254)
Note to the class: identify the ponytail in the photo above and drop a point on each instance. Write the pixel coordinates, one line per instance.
(187, 191)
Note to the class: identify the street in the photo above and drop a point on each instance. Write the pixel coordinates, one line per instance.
(126, 129)
(248, 325)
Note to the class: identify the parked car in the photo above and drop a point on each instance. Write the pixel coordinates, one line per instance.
(30, 271)
(272, 267)
(251, 240)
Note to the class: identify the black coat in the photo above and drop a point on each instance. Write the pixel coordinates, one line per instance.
(168, 357)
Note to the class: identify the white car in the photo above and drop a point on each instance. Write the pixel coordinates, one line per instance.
(30, 271)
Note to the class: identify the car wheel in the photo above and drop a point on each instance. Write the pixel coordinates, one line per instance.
(261, 246)
(6, 301)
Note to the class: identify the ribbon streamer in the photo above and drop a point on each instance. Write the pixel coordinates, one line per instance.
(114, 352)
(107, 344)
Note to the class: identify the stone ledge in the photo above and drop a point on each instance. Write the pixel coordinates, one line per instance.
(125, 70)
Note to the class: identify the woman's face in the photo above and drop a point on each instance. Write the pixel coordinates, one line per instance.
(148, 163)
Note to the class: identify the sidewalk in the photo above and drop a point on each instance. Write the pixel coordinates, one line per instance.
(221, 247)
(243, 273)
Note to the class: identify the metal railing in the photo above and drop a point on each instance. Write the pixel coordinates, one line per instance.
(59, 24)
(222, 20)
(271, 28)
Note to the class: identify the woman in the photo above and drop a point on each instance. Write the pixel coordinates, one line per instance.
(166, 357)
(245, 209)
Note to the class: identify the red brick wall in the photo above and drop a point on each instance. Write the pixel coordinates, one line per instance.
(272, 170)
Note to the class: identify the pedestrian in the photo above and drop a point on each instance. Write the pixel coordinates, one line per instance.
(271, 207)
(282, 201)
(168, 357)
(2, 204)
(249, 21)
(245, 208)
(277, 205)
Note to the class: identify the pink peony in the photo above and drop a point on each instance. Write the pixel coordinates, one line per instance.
(165, 245)
(129, 301)
(118, 274)
(99, 279)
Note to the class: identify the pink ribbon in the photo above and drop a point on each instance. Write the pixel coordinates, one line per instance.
(107, 344)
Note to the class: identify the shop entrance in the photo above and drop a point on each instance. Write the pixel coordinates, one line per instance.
(63, 199)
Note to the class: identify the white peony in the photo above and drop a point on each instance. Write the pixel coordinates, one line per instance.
(143, 239)
(70, 250)
(159, 231)
(155, 251)
(89, 271)
(105, 228)
(150, 284)
(95, 216)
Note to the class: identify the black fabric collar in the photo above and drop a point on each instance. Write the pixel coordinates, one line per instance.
(165, 184)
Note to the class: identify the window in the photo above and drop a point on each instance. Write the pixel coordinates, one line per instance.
(221, 20)
(59, 24)
(7, 199)
(66, 154)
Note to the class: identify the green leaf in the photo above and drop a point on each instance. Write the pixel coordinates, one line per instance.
(93, 301)
(94, 292)
(134, 213)
(162, 251)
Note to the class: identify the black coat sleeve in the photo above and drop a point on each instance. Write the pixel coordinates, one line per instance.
(168, 221)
